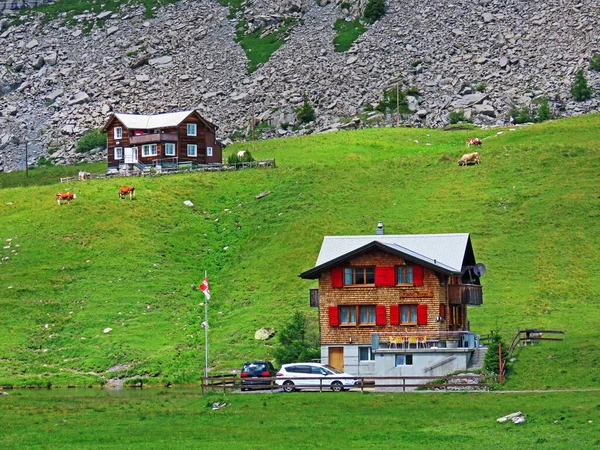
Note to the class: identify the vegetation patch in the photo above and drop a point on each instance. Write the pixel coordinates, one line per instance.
(90, 140)
(347, 33)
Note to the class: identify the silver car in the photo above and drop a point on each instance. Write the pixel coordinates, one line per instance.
(298, 376)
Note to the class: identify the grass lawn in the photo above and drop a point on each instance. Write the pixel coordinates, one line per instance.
(532, 208)
(101, 419)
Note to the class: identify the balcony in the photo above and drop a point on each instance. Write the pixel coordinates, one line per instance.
(439, 341)
(465, 294)
(153, 138)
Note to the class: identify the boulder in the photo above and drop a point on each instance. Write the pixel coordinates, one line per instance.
(264, 334)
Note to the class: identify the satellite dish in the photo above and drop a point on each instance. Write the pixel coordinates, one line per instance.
(479, 269)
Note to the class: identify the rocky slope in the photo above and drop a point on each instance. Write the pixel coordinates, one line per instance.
(57, 80)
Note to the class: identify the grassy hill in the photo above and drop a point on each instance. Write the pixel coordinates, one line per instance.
(532, 209)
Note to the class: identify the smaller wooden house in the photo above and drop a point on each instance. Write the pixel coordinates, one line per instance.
(160, 140)
(396, 305)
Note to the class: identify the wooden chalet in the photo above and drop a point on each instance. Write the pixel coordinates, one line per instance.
(160, 140)
(396, 305)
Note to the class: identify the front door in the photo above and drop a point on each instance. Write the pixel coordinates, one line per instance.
(336, 357)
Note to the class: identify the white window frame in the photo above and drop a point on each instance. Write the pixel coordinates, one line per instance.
(403, 360)
(193, 147)
(118, 152)
(118, 132)
(167, 144)
(151, 150)
(369, 350)
(209, 151)
(192, 129)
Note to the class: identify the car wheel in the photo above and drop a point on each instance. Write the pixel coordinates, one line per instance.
(288, 386)
(337, 386)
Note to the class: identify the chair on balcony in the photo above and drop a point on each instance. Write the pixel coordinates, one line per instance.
(412, 340)
(422, 341)
(405, 341)
(393, 342)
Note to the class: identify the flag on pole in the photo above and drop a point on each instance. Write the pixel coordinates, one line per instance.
(204, 288)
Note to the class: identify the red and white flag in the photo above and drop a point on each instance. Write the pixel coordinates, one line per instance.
(204, 288)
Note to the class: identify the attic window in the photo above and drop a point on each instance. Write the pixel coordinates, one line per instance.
(405, 275)
(191, 129)
(118, 132)
(359, 275)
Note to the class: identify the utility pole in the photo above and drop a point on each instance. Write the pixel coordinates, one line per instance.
(252, 126)
(26, 166)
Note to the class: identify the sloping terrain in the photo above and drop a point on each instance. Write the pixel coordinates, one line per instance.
(68, 273)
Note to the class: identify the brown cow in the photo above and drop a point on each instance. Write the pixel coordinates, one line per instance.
(467, 158)
(473, 141)
(124, 190)
(68, 196)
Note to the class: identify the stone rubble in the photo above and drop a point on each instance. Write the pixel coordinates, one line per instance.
(58, 80)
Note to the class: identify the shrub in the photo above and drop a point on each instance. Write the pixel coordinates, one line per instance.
(306, 113)
(235, 159)
(491, 364)
(298, 340)
(92, 139)
(457, 117)
(543, 112)
(580, 89)
(391, 99)
(595, 62)
(374, 10)
(481, 87)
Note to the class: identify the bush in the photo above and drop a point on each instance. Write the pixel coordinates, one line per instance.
(457, 117)
(595, 62)
(481, 87)
(92, 139)
(374, 10)
(306, 113)
(543, 112)
(393, 97)
(580, 89)
(298, 340)
(235, 159)
(491, 363)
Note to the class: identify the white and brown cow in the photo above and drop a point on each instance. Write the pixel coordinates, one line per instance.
(469, 158)
(124, 190)
(68, 196)
(473, 141)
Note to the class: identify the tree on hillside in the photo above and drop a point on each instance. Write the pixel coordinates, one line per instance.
(306, 113)
(374, 10)
(298, 340)
(580, 89)
(491, 363)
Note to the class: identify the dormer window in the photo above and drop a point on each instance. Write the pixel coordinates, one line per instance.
(359, 276)
(191, 129)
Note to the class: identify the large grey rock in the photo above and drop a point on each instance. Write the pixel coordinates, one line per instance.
(79, 98)
(263, 334)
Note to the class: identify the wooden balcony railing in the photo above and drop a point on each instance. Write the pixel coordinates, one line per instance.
(465, 294)
(153, 137)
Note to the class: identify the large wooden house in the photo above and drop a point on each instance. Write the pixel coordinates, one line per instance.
(160, 140)
(396, 305)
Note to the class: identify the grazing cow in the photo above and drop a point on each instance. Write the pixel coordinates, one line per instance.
(84, 176)
(68, 196)
(468, 158)
(242, 153)
(124, 190)
(473, 141)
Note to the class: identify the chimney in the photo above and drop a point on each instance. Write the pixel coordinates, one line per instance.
(379, 230)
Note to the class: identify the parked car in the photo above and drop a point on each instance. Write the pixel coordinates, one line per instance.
(257, 373)
(313, 376)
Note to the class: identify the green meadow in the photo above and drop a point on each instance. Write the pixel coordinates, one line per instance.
(532, 208)
(92, 418)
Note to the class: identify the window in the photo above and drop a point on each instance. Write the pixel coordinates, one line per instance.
(365, 354)
(405, 275)
(118, 152)
(365, 315)
(169, 149)
(208, 151)
(408, 314)
(192, 149)
(404, 360)
(149, 150)
(191, 129)
(359, 275)
(118, 132)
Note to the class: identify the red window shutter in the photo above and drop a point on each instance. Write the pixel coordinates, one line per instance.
(394, 315)
(443, 311)
(380, 315)
(418, 275)
(337, 277)
(334, 316)
(385, 276)
(421, 314)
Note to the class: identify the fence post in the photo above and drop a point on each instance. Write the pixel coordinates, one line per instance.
(362, 385)
(500, 357)
(320, 384)
(223, 381)
(403, 384)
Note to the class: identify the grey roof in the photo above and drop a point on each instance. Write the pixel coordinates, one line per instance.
(445, 251)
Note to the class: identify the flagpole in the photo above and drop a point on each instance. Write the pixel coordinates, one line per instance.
(206, 338)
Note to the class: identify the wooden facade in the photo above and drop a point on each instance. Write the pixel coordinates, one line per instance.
(151, 146)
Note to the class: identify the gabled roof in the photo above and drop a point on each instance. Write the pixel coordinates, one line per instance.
(154, 121)
(446, 253)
